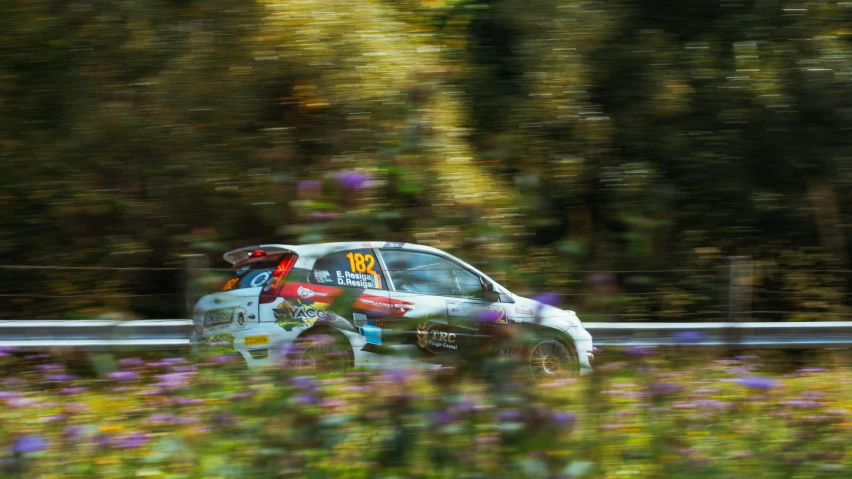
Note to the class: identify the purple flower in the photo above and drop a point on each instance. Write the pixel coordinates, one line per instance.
(53, 418)
(51, 367)
(563, 418)
(123, 375)
(187, 401)
(398, 375)
(74, 431)
(186, 420)
(130, 362)
(9, 394)
(174, 380)
(352, 180)
(224, 420)
(222, 359)
(689, 337)
(509, 415)
(69, 391)
(59, 377)
(801, 404)
(306, 399)
(813, 370)
(550, 299)
(639, 351)
(487, 438)
(132, 440)
(28, 443)
(440, 418)
(309, 185)
(489, 315)
(661, 389)
(757, 382)
(707, 391)
(305, 383)
(174, 360)
(160, 419)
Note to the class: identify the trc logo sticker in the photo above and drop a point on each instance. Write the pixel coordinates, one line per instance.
(433, 338)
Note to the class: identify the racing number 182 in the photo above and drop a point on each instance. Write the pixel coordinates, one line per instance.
(361, 263)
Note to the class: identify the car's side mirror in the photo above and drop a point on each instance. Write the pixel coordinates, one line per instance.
(490, 294)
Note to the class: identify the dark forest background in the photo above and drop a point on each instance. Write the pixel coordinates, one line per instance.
(615, 152)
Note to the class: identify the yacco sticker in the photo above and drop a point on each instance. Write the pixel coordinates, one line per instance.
(294, 314)
(523, 310)
(256, 340)
(433, 337)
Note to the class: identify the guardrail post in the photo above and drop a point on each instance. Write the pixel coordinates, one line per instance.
(739, 294)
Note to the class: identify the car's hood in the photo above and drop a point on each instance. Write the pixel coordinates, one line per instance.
(541, 310)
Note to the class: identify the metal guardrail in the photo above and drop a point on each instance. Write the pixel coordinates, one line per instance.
(149, 333)
(175, 333)
(768, 335)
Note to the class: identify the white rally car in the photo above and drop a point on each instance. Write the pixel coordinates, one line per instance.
(332, 306)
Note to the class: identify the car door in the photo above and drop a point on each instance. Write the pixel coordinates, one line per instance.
(447, 308)
(357, 291)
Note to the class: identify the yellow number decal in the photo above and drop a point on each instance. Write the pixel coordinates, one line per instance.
(502, 317)
(360, 263)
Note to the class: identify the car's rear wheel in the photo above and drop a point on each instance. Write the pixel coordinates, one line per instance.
(551, 358)
(321, 352)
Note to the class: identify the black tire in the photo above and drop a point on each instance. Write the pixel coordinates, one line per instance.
(552, 357)
(321, 352)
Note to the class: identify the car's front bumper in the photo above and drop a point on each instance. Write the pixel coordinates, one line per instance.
(583, 343)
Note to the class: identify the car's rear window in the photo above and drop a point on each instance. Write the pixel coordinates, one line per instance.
(253, 274)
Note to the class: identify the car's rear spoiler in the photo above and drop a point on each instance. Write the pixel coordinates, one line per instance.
(241, 255)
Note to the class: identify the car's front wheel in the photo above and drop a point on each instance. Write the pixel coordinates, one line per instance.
(321, 352)
(551, 357)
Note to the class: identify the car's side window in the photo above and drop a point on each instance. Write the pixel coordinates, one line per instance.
(426, 273)
(356, 268)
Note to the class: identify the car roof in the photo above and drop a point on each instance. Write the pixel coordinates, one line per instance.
(310, 252)
(318, 249)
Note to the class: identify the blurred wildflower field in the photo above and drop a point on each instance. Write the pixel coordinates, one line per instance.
(641, 414)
